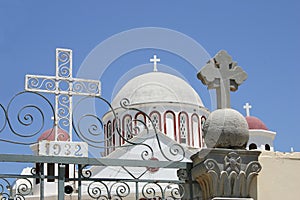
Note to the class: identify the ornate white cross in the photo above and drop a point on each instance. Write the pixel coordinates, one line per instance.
(247, 107)
(222, 74)
(155, 60)
(64, 86)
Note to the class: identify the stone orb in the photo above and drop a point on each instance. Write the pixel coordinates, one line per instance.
(226, 128)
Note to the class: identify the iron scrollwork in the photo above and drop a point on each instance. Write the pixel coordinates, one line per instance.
(101, 190)
(171, 191)
(18, 190)
(93, 135)
(24, 121)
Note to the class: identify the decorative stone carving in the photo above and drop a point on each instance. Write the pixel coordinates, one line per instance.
(232, 162)
(231, 178)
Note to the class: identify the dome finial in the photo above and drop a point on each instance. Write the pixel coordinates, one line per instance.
(155, 60)
(247, 107)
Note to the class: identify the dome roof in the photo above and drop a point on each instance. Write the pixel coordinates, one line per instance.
(255, 123)
(50, 135)
(157, 87)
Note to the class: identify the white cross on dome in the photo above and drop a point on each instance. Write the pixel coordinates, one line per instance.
(247, 107)
(155, 60)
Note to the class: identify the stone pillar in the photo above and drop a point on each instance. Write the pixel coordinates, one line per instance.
(226, 173)
(225, 170)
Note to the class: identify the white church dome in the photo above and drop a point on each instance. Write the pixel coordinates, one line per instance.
(157, 87)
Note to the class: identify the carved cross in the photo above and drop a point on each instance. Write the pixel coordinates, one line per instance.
(64, 86)
(222, 74)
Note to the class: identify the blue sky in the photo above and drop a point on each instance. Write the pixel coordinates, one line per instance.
(262, 36)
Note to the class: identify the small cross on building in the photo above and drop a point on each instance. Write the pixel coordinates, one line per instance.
(222, 74)
(155, 60)
(64, 86)
(247, 107)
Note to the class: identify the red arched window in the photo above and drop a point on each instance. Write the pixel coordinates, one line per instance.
(115, 135)
(203, 119)
(108, 140)
(126, 128)
(196, 133)
(183, 122)
(170, 124)
(140, 121)
(105, 137)
(156, 120)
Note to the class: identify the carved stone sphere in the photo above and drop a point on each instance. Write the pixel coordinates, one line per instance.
(226, 128)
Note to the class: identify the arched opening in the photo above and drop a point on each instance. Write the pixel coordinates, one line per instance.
(196, 134)
(183, 122)
(252, 146)
(203, 119)
(115, 136)
(139, 122)
(170, 124)
(267, 147)
(108, 139)
(126, 128)
(156, 121)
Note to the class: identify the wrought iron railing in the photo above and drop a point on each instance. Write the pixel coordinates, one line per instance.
(23, 124)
